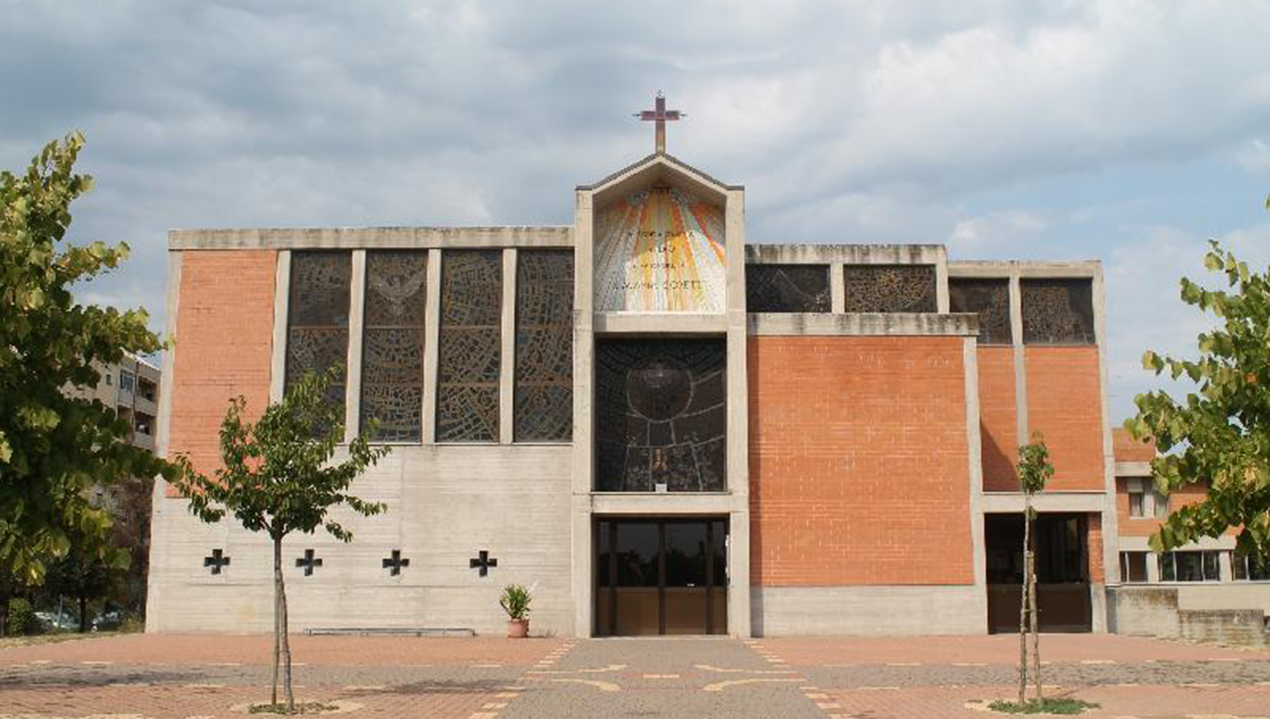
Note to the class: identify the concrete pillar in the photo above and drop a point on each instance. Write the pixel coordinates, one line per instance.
(353, 377)
(507, 363)
(281, 299)
(431, 342)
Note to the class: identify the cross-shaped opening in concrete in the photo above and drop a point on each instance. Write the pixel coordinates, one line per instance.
(216, 561)
(394, 563)
(483, 562)
(308, 561)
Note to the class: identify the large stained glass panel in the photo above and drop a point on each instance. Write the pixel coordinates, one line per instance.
(544, 346)
(787, 288)
(890, 288)
(470, 344)
(990, 299)
(317, 316)
(661, 415)
(660, 250)
(392, 343)
(1058, 311)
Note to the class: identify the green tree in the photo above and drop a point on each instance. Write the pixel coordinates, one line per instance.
(85, 573)
(1034, 470)
(54, 446)
(1219, 435)
(279, 478)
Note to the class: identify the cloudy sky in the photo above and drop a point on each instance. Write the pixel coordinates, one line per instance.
(1128, 132)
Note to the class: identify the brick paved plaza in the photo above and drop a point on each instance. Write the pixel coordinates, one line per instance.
(186, 676)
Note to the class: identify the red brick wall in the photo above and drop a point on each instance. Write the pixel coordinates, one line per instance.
(1064, 402)
(1097, 573)
(224, 338)
(858, 461)
(1128, 449)
(998, 419)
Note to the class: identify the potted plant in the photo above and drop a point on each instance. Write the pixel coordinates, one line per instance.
(515, 601)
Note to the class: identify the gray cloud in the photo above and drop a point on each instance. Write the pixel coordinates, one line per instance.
(978, 123)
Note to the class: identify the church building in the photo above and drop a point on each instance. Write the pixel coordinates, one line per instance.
(661, 427)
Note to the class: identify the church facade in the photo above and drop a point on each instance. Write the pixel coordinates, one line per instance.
(661, 428)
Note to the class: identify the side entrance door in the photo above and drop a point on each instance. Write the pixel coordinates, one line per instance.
(661, 576)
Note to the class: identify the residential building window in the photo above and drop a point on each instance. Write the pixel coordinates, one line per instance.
(110, 380)
(1190, 566)
(1133, 566)
(127, 380)
(1137, 501)
(1161, 505)
(1248, 569)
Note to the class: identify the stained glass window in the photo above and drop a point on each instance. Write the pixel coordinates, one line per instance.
(470, 344)
(890, 288)
(392, 343)
(317, 315)
(787, 288)
(661, 415)
(1058, 311)
(544, 346)
(990, 299)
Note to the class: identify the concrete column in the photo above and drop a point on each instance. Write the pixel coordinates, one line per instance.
(738, 461)
(507, 364)
(1153, 567)
(974, 442)
(583, 434)
(1110, 518)
(353, 378)
(1226, 571)
(942, 303)
(1020, 365)
(281, 300)
(837, 288)
(163, 428)
(160, 541)
(431, 343)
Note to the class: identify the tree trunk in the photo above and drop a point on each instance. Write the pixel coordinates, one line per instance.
(4, 615)
(1036, 633)
(286, 646)
(277, 614)
(1023, 601)
(83, 614)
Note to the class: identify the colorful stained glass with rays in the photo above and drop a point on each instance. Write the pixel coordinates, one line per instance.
(660, 250)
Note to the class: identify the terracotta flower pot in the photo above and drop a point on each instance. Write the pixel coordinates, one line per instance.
(518, 628)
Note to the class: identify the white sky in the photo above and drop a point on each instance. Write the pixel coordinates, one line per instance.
(1128, 132)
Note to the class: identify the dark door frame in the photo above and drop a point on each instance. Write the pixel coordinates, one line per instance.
(711, 585)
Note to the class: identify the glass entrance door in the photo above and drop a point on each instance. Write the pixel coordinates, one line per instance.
(661, 576)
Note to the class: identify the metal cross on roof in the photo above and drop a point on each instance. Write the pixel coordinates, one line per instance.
(660, 115)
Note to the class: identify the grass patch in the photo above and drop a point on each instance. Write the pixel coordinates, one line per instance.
(300, 708)
(1044, 706)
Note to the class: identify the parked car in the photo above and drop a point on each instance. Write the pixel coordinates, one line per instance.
(52, 621)
(107, 620)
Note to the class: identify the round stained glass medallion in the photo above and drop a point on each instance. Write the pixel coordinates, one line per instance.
(659, 388)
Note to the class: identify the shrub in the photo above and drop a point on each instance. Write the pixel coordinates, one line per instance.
(515, 601)
(21, 618)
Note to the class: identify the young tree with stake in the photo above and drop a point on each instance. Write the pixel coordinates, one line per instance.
(1034, 471)
(279, 478)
